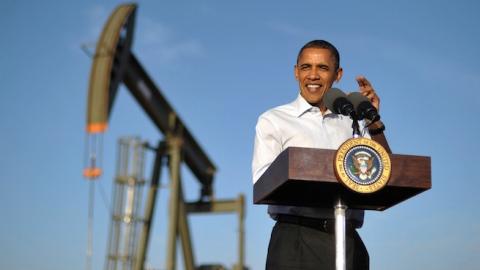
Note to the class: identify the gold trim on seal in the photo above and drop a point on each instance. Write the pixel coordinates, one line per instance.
(344, 178)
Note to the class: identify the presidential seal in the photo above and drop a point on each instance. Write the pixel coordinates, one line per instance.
(362, 165)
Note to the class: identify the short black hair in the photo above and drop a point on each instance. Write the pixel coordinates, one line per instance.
(322, 44)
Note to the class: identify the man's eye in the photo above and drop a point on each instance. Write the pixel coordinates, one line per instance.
(304, 67)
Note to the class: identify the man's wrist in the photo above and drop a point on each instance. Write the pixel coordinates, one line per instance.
(376, 127)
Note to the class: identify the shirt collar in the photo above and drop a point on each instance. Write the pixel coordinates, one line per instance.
(302, 106)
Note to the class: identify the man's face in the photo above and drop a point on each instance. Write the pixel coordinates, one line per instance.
(315, 73)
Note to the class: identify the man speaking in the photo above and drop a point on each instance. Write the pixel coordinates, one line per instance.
(303, 237)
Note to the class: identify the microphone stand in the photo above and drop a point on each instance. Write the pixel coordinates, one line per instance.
(355, 126)
(340, 234)
(338, 102)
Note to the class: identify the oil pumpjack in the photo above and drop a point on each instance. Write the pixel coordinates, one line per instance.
(114, 63)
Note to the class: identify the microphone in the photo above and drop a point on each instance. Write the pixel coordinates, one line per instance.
(363, 107)
(337, 101)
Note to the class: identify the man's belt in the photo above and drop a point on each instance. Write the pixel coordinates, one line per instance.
(324, 225)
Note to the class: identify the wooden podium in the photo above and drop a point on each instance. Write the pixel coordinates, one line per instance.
(306, 177)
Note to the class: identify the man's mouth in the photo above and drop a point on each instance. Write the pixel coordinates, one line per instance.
(313, 87)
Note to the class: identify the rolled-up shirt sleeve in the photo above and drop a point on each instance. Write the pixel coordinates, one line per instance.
(266, 148)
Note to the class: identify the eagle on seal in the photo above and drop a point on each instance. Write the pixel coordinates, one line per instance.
(363, 163)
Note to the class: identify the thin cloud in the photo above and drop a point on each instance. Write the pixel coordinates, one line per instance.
(95, 18)
(288, 29)
(206, 9)
(152, 38)
(162, 42)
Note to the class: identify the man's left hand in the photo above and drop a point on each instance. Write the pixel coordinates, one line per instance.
(367, 90)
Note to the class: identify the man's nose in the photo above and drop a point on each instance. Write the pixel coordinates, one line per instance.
(313, 74)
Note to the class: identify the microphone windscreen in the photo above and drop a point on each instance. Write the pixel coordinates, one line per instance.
(356, 98)
(330, 97)
(363, 107)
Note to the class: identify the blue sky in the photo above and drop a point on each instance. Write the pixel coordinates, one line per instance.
(221, 64)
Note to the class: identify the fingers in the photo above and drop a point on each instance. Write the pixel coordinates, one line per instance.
(367, 90)
(363, 82)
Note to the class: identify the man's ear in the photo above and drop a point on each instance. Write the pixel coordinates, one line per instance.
(295, 72)
(339, 74)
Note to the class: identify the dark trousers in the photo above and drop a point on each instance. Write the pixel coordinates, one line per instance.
(300, 247)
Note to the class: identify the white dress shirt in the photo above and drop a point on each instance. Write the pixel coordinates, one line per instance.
(299, 124)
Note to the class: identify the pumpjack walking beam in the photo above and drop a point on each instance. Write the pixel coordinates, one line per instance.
(114, 63)
(162, 114)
